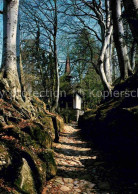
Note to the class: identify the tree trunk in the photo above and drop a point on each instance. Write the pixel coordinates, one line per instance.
(19, 62)
(121, 48)
(131, 14)
(108, 66)
(111, 48)
(57, 75)
(56, 58)
(9, 59)
(22, 80)
(101, 59)
(133, 55)
(107, 53)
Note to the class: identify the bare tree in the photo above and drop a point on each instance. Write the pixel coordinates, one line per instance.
(101, 59)
(9, 59)
(108, 52)
(105, 23)
(44, 15)
(120, 44)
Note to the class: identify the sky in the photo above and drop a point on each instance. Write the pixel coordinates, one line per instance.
(63, 38)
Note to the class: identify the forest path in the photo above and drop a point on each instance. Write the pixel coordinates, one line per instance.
(77, 164)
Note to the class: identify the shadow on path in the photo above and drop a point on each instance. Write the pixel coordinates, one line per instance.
(83, 169)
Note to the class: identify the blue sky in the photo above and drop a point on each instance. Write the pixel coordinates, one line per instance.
(63, 37)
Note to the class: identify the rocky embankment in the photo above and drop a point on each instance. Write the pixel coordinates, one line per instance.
(26, 155)
(113, 126)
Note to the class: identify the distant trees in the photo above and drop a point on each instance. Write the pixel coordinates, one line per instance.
(83, 53)
(104, 21)
(83, 57)
(98, 35)
(43, 16)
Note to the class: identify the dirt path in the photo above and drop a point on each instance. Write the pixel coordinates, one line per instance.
(76, 163)
(83, 169)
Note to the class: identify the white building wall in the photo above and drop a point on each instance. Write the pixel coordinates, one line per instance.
(77, 102)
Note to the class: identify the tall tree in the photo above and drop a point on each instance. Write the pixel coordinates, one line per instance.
(9, 59)
(131, 14)
(103, 18)
(55, 54)
(108, 53)
(120, 44)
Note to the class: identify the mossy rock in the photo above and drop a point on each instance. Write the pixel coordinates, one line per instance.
(38, 133)
(60, 123)
(48, 124)
(48, 157)
(25, 181)
(23, 137)
(42, 136)
(39, 105)
(36, 169)
(12, 171)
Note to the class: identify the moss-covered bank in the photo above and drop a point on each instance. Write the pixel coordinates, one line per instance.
(113, 126)
(26, 135)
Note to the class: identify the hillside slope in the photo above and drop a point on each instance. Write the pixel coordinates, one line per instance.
(113, 127)
(26, 136)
